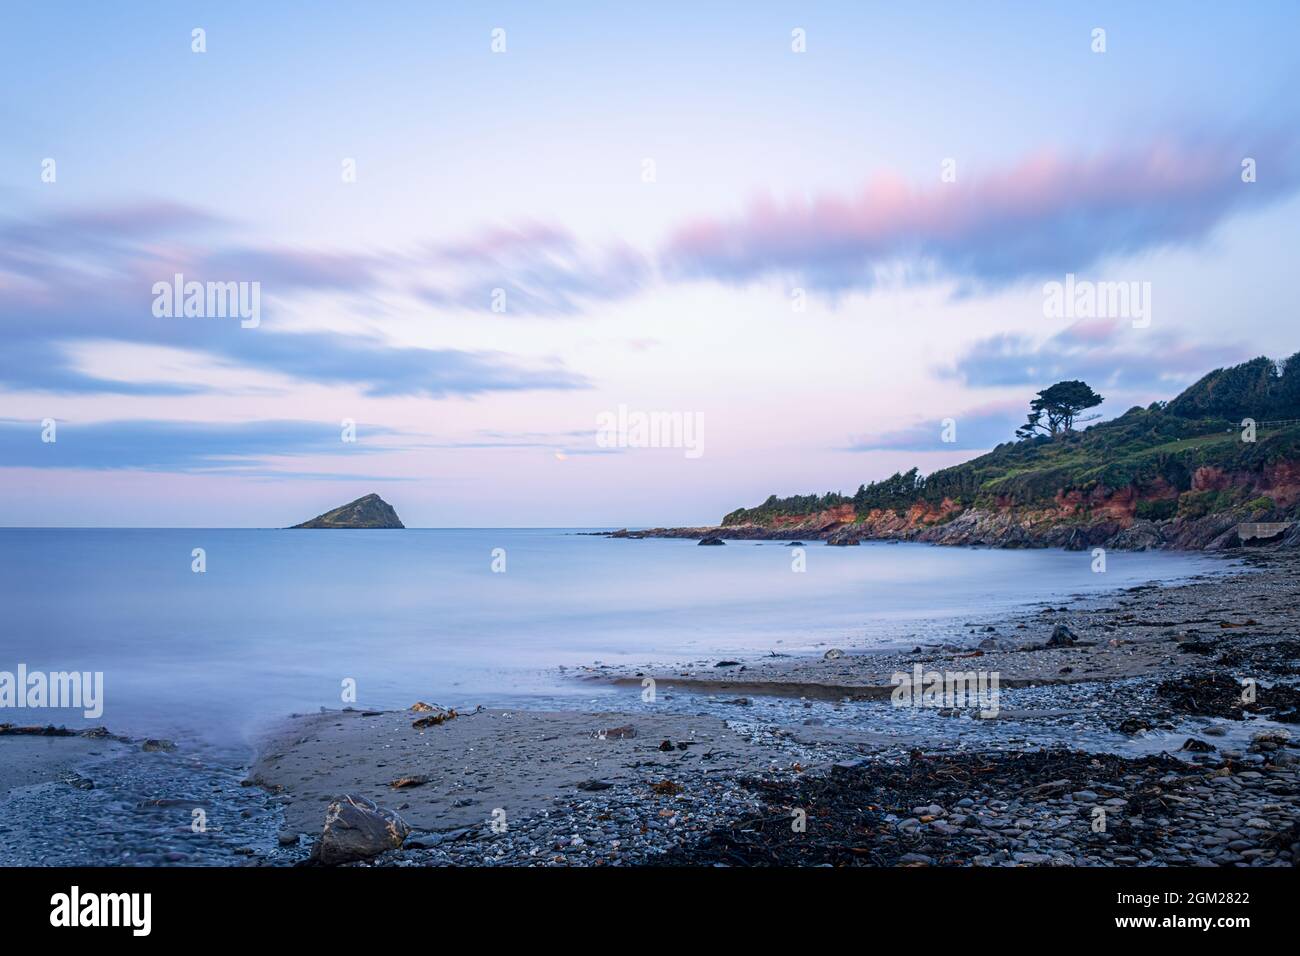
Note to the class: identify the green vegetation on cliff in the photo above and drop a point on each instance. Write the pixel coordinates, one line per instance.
(1161, 447)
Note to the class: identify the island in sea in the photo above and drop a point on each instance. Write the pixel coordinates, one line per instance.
(370, 511)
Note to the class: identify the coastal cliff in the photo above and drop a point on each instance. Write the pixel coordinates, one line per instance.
(1113, 524)
(1190, 473)
(371, 511)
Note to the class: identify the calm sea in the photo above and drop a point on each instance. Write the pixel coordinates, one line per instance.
(281, 619)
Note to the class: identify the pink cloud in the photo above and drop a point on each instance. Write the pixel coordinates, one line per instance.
(1047, 214)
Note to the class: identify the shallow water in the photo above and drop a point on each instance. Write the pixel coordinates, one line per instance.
(281, 619)
(141, 809)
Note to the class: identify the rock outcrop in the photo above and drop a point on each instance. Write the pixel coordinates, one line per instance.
(358, 829)
(371, 511)
(1010, 528)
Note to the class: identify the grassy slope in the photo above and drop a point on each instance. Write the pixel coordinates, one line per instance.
(1155, 449)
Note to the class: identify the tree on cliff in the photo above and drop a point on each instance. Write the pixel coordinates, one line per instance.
(1260, 388)
(1056, 409)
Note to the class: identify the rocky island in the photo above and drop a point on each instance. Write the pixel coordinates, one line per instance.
(371, 511)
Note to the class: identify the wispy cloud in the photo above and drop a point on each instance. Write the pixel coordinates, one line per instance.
(1105, 353)
(534, 270)
(90, 275)
(245, 449)
(1046, 215)
(1127, 365)
(573, 442)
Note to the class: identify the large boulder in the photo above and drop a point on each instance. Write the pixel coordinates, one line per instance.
(1211, 532)
(1077, 540)
(1139, 536)
(1062, 636)
(1014, 536)
(1087, 537)
(358, 829)
(846, 536)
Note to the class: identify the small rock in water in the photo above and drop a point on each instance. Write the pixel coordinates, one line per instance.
(1133, 725)
(833, 654)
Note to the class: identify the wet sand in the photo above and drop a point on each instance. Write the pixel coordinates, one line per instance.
(1136, 632)
(519, 761)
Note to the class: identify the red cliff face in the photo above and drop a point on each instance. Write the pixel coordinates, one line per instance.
(923, 513)
(826, 520)
(1281, 482)
(1070, 502)
(1118, 505)
(1072, 518)
(1211, 478)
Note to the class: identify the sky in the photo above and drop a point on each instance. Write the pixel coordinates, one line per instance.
(483, 249)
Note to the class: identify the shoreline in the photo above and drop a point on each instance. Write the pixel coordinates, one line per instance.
(647, 805)
(1002, 528)
(1011, 643)
(1150, 667)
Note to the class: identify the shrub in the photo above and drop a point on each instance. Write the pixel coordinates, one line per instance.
(1160, 509)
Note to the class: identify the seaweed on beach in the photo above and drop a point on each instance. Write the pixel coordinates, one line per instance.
(1277, 658)
(1218, 695)
(852, 812)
